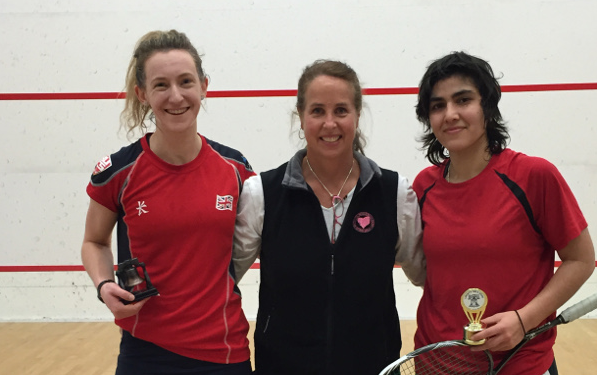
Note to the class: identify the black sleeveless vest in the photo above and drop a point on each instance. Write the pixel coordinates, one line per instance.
(327, 308)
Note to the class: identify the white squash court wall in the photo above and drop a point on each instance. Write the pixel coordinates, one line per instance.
(48, 148)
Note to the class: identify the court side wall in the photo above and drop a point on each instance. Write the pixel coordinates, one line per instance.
(49, 147)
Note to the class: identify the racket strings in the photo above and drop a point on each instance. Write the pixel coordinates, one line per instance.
(450, 360)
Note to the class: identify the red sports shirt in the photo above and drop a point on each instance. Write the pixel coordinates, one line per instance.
(179, 220)
(479, 234)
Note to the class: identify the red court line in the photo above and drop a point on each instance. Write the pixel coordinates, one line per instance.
(249, 93)
(81, 268)
(59, 268)
(551, 87)
(61, 95)
(43, 268)
(391, 91)
(278, 93)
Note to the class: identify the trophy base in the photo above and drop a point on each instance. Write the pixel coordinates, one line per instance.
(141, 295)
(470, 330)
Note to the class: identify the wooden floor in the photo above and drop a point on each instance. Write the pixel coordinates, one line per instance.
(91, 348)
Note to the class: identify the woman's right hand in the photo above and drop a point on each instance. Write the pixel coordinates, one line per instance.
(113, 295)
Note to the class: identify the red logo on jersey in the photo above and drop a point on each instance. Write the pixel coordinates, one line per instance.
(224, 202)
(102, 165)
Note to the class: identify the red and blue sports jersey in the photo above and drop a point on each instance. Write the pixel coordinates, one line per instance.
(179, 220)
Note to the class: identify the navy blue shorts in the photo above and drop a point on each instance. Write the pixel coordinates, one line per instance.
(139, 357)
(553, 370)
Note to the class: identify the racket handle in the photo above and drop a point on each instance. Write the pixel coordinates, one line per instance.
(579, 309)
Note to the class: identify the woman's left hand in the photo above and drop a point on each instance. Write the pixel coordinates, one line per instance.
(503, 331)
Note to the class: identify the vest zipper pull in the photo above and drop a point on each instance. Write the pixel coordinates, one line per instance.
(332, 265)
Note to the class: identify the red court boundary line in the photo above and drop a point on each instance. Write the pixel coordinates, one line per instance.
(81, 268)
(279, 93)
(72, 268)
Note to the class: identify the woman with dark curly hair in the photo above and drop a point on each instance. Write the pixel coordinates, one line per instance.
(493, 219)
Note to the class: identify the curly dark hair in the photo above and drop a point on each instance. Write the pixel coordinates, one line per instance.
(480, 73)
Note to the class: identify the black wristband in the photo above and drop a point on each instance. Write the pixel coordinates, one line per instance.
(99, 287)
(524, 331)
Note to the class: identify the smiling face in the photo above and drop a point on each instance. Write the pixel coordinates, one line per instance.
(173, 90)
(329, 119)
(456, 116)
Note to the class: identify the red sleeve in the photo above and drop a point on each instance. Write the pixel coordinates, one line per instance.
(557, 212)
(105, 186)
(244, 172)
(425, 179)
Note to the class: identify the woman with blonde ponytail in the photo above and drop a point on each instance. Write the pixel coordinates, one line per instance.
(173, 194)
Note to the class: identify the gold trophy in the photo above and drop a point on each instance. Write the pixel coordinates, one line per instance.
(473, 301)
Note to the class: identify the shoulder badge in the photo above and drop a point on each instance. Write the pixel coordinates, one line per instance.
(102, 165)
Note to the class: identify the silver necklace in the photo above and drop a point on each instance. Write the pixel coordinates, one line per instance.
(326, 189)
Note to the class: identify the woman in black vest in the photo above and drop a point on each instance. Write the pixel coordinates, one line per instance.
(328, 227)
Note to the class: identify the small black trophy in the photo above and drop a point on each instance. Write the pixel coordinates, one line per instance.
(129, 278)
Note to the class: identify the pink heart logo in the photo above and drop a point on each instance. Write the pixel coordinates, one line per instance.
(364, 221)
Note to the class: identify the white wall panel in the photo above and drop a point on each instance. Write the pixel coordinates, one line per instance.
(48, 148)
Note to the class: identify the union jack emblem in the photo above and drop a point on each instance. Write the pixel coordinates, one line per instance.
(224, 202)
